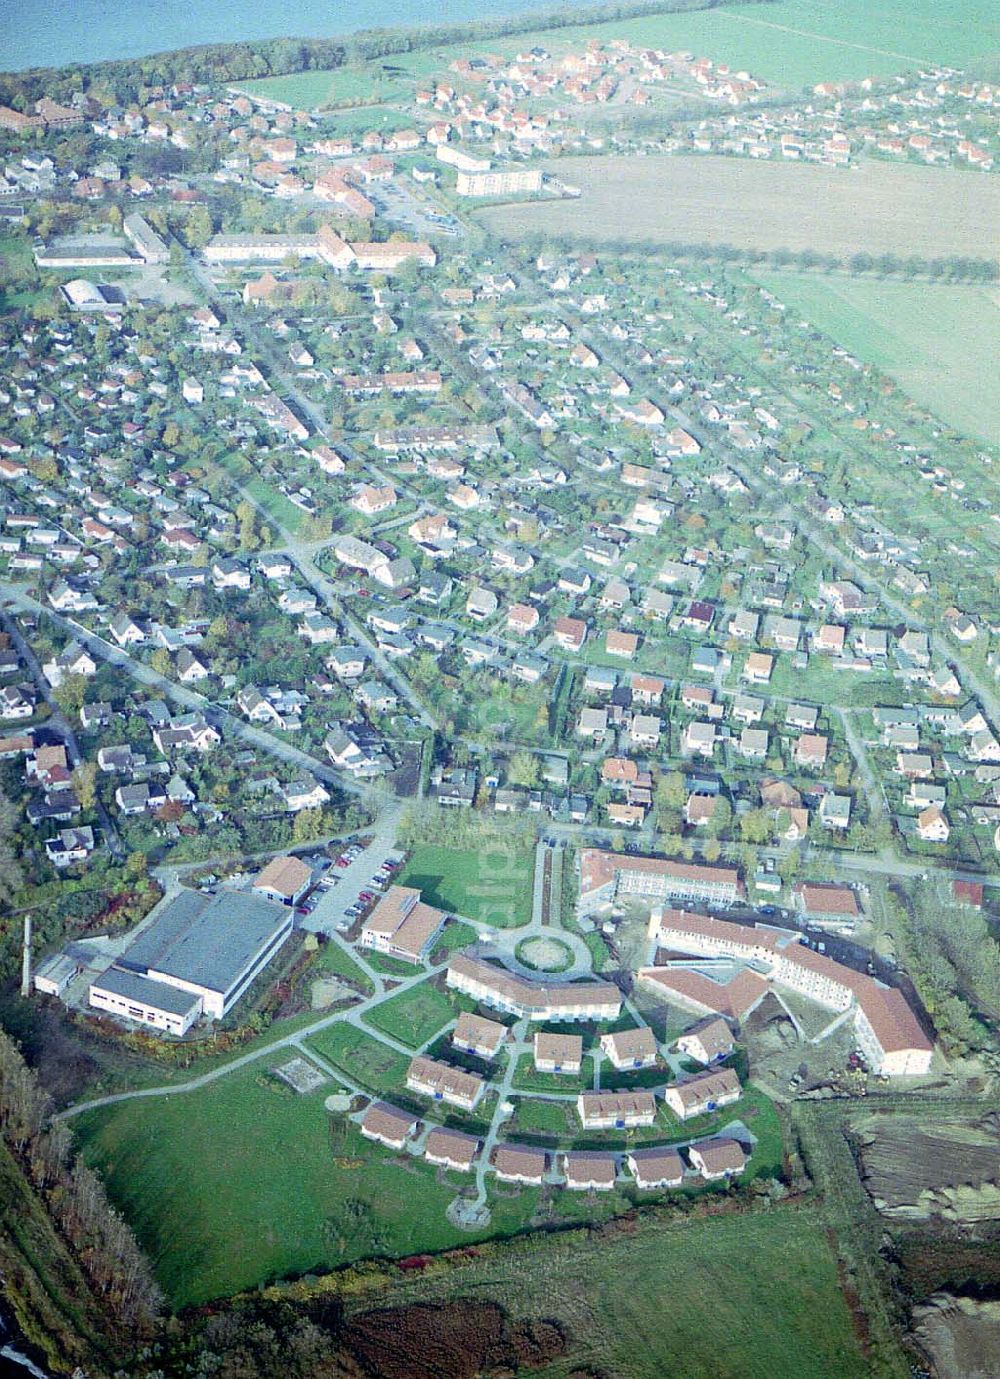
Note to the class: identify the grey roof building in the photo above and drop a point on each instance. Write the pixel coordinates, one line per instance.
(210, 946)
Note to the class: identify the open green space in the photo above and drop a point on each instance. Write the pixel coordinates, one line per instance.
(528, 1079)
(277, 505)
(366, 84)
(792, 44)
(363, 1058)
(332, 961)
(492, 884)
(940, 342)
(244, 1181)
(798, 43)
(453, 938)
(413, 1016)
(732, 1297)
(544, 953)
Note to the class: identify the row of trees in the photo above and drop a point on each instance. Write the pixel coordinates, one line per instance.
(75, 1198)
(951, 267)
(954, 962)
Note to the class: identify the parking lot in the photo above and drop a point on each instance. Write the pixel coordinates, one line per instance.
(336, 903)
(398, 204)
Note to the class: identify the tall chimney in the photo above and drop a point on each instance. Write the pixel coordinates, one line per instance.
(26, 958)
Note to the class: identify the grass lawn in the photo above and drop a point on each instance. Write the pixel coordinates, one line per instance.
(413, 1016)
(732, 1297)
(389, 967)
(277, 505)
(492, 885)
(535, 1117)
(363, 1058)
(344, 86)
(938, 341)
(453, 938)
(241, 1181)
(527, 1079)
(332, 961)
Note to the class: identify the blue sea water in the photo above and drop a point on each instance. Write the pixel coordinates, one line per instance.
(49, 33)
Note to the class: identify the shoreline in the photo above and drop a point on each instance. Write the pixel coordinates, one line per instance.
(389, 40)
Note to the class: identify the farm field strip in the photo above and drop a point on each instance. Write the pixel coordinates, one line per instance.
(875, 207)
(938, 341)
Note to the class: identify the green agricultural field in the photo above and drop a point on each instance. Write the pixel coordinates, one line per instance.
(797, 43)
(492, 885)
(413, 1016)
(346, 86)
(731, 1297)
(940, 342)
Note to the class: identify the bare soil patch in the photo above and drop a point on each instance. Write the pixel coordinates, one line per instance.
(874, 207)
(919, 1169)
(961, 1336)
(457, 1340)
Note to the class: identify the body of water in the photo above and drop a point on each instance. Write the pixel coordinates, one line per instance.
(49, 33)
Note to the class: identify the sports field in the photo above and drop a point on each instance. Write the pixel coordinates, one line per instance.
(875, 207)
(941, 343)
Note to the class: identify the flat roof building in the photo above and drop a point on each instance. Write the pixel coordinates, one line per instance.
(133, 997)
(209, 946)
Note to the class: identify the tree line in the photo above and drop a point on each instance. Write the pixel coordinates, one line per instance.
(228, 62)
(950, 268)
(75, 1199)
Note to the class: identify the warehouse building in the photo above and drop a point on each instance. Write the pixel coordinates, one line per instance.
(197, 958)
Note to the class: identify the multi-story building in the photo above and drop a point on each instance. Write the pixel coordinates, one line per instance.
(442, 1082)
(509, 182)
(502, 990)
(401, 925)
(702, 1093)
(615, 1110)
(476, 1035)
(604, 876)
(889, 1034)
